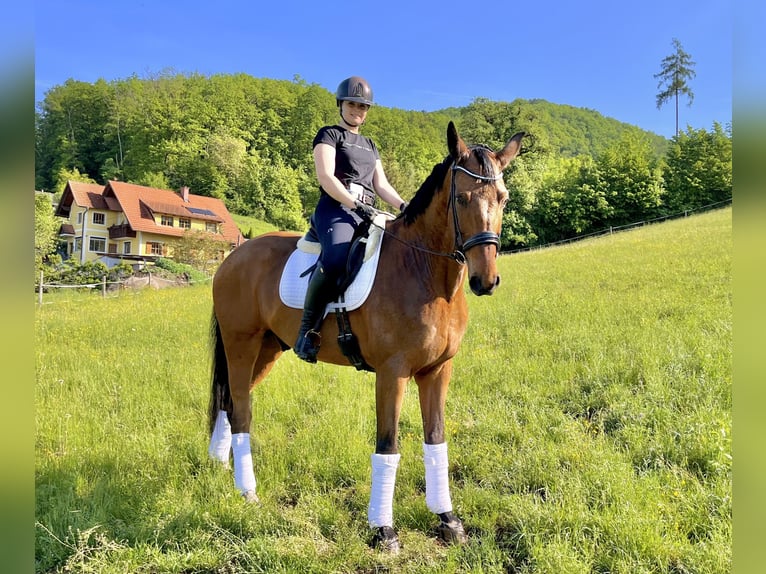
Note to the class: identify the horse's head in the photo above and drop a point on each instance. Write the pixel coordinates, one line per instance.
(477, 198)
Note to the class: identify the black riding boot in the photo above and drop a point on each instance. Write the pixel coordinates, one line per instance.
(318, 294)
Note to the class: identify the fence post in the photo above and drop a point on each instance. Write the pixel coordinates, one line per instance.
(40, 289)
(103, 286)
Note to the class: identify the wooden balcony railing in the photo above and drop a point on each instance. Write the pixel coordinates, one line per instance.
(118, 231)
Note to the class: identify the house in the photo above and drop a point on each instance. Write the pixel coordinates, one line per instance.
(124, 221)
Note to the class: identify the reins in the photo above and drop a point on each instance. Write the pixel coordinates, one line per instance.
(481, 238)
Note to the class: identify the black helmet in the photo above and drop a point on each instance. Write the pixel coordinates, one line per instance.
(354, 89)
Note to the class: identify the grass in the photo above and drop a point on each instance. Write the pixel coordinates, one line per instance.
(247, 224)
(589, 424)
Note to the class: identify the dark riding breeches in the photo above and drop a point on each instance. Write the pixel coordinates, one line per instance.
(336, 228)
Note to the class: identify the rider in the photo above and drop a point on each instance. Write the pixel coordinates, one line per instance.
(350, 175)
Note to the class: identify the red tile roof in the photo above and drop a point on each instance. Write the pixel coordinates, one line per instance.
(83, 194)
(88, 194)
(139, 203)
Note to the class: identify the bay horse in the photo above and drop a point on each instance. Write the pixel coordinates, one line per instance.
(410, 326)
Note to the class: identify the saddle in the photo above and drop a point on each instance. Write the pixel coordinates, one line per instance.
(353, 289)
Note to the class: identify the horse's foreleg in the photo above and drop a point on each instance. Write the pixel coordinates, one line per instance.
(385, 462)
(432, 391)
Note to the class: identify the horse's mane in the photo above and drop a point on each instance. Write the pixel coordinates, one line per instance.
(433, 182)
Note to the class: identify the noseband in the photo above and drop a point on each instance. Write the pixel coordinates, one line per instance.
(481, 238)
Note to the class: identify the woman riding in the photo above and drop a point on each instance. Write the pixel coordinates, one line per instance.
(350, 175)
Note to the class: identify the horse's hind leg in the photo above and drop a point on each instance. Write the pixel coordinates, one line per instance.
(432, 391)
(243, 357)
(248, 359)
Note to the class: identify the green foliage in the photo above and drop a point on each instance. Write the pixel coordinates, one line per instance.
(121, 270)
(154, 179)
(282, 204)
(199, 250)
(571, 201)
(64, 175)
(180, 269)
(248, 141)
(589, 426)
(630, 178)
(46, 230)
(72, 273)
(699, 169)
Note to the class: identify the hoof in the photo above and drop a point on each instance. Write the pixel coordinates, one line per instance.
(250, 497)
(450, 529)
(385, 539)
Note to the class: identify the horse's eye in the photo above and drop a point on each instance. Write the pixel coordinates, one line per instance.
(502, 200)
(462, 199)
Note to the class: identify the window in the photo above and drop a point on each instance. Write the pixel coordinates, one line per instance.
(99, 218)
(166, 220)
(79, 217)
(211, 227)
(77, 243)
(154, 248)
(126, 248)
(112, 248)
(97, 244)
(184, 223)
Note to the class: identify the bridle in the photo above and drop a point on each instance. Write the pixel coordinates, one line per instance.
(481, 238)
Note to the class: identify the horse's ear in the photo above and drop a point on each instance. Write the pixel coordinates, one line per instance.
(457, 148)
(510, 151)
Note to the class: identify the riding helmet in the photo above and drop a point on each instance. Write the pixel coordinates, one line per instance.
(354, 89)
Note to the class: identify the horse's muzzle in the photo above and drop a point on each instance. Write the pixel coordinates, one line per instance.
(479, 288)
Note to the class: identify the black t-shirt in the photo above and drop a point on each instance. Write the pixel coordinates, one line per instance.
(355, 156)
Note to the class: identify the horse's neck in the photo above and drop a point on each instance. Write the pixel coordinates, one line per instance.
(445, 274)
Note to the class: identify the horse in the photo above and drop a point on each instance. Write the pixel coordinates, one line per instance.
(410, 327)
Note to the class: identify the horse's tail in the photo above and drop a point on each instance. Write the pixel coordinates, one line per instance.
(220, 395)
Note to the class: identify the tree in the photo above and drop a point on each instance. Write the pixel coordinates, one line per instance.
(631, 179)
(199, 249)
(571, 200)
(676, 70)
(46, 229)
(698, 169)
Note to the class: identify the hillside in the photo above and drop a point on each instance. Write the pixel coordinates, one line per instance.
(248, 142)
(139, 127)
(564, 130)
(588, 421)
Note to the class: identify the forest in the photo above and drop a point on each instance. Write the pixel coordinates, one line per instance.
(248, 141)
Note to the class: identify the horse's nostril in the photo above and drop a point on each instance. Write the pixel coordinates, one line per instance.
(478, 287)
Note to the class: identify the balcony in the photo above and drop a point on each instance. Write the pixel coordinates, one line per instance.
(118, 231)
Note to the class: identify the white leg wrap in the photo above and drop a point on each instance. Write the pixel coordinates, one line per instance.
(380, 511)
(220, 440)
(437, 481)
(244, 477)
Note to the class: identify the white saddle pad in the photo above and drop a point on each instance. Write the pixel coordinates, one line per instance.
(292, 287)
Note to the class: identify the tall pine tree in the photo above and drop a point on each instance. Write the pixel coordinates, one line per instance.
(677, 68)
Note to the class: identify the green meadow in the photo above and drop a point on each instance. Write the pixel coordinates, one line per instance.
(588, 421)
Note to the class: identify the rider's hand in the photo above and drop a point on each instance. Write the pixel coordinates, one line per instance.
(366, 212)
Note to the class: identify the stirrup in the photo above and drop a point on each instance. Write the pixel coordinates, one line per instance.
(307, 346)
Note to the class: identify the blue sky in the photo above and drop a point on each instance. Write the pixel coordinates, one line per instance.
(600, 55)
